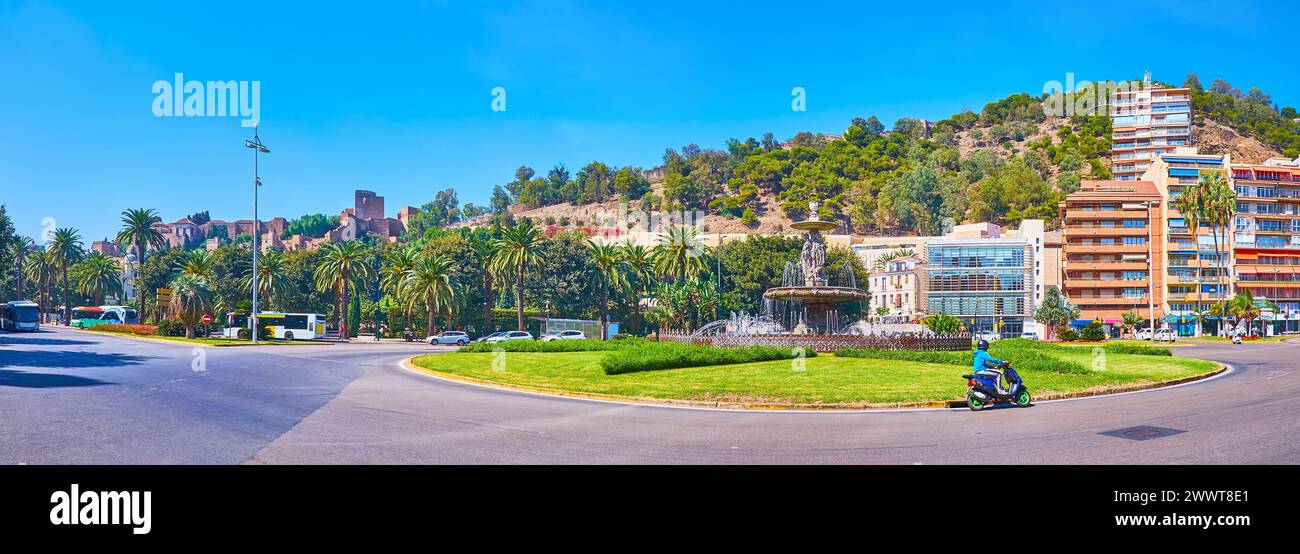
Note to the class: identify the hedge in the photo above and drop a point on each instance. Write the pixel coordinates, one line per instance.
(128, 328)
(1140, 349)
(659, 356)
(928, 356)
(1024, 355)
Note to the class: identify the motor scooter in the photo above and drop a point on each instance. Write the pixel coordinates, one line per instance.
(982, 389)
(408, 335)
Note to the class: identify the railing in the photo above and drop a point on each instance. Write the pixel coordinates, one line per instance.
(827, 343)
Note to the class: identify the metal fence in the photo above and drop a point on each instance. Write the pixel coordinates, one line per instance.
(828, 343)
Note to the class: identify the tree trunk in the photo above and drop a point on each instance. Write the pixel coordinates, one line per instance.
(604, 310)
(67, 310)
(1196, 243)
(139, 291)
(343, 309)
(519, 297)
(189, 331)
(430, 323)
(487, 303)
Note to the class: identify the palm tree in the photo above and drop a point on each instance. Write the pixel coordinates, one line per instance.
(640, 265)
(98, 275)
(431, 279)
(1132, 320)
(1191, 205)
(272, 279)
(40, 268)
(485, 249)
(138, 231)
(191, 299)
(65, 245)
(23, 247)
(677, 253)
(1220, 210)
(611, 270)
(879, 264)
(518, 247)
(197, 263)
(397, 263)
(342, 265)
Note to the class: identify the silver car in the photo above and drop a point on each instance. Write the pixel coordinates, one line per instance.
(512, 335)
(565, 335)
(458, 338)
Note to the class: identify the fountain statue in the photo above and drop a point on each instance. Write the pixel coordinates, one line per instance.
(806, 294)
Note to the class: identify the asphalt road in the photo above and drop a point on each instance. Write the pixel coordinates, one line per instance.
(69, 397)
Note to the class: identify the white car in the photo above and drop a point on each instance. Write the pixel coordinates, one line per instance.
(1166, 335)
(565, 335)
(485, 338)
(990, 337)
(458, 338)
(1030, 335)
(512, 335)
(1144, 334)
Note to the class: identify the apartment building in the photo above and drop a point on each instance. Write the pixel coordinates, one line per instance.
(1147, 122)
(1113, 250)
(1266, 246)
(1192, 267)
(896, 286)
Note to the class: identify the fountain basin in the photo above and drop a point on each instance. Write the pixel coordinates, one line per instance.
(816, 294)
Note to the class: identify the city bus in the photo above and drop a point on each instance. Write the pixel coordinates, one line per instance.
(86, 316)
(20, 315)
(283, 325)
(119, 314)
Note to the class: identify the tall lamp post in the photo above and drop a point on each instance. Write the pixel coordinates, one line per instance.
(1151, 278)
(255, 143)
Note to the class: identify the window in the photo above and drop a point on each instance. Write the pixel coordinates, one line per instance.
(1135, 276)
(1135, 241)
(1135, 223)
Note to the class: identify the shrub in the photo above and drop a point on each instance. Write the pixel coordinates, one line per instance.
(170, 327)
(129, 328)
(1093, 332)
(1068, 335)
(1141, 349)
(664, 355)
(587, 345)
(928, 356)
(266, 334)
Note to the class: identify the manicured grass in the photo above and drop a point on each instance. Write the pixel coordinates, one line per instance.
(825, 379)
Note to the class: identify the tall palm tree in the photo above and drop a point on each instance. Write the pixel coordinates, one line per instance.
(40, 269)
(1220, 210)
(432, 280)
(678, 253)
(195, 262)
(485, 249)
(65, 245)
(97, 276)
(518, 247)
(138, 232)
(272, 277)
(343, 265)
(1191, 205)
(611, 271)
(397, 263)
(191, 299)
(23, 247)
(640, 265)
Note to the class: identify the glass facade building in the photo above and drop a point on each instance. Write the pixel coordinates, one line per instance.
(988, 283)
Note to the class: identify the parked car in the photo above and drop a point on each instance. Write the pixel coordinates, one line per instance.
(1144, 334)
(1166, 335)
(990, 336)
(458, 338)
(485, 338)
(564, 335)
(1029, 335)
(511, 335)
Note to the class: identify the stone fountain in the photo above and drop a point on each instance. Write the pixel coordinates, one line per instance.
(806, 298)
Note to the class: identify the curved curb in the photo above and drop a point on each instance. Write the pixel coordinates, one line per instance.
(186, 343)
(768, 407)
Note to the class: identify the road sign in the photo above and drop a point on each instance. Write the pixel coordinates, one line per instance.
(164, 297)
(207, 319)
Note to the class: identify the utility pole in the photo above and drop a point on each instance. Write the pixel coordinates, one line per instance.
(1151, 279)
(256, 144)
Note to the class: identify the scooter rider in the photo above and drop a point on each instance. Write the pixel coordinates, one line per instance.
(986, 364)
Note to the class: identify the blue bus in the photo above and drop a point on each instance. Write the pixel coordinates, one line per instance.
(20, 315)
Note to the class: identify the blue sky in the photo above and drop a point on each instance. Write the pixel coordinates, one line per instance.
(397, 98)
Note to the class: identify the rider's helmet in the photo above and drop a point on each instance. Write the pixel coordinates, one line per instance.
(983, 345)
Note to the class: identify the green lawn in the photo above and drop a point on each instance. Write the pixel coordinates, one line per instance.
(826, 379)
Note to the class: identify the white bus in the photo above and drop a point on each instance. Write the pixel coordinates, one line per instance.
(20, 315)
(283, 326)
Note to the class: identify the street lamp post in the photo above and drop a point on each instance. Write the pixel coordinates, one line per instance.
(255, 143)
(1151, 278)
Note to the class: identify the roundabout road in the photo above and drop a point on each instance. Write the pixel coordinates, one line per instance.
(73, 397)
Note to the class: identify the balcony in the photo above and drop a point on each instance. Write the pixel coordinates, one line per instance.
(1071, 265)
(1112, 301)
(1096, 284)
(1105, 231)
(1078, 215)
